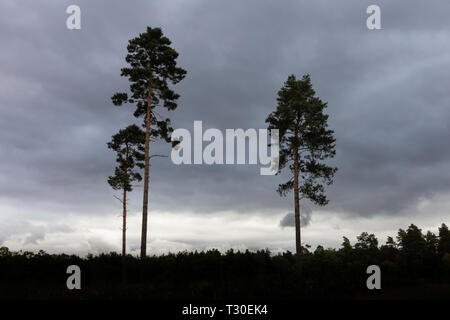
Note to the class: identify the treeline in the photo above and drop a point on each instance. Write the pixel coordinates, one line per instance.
(413, 265)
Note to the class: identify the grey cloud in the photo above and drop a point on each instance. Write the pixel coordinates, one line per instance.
(31, 232)
(387, 94)
(305, 218)
(98, 246)
(34, 237)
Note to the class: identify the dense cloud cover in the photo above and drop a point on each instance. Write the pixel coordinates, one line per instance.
(387, 92)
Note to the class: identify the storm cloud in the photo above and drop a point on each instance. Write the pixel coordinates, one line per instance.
(305, 218)
(387, 94)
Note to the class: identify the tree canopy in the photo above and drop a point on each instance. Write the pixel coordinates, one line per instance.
(303, 131)
(152, 67)
(128, 144)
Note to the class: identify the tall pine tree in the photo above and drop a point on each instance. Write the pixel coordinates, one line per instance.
(305, 142)
(152, 66)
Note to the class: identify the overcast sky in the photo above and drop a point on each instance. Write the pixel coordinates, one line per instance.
(387, 94)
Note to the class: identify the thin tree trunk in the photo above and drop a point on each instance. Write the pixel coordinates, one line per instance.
(298, 243)
(146, 175)
(124, 238)
(124, 225)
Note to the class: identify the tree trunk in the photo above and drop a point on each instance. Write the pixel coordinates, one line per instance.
(124, 238)
(124, 225)
(146, 175)
(298, 243)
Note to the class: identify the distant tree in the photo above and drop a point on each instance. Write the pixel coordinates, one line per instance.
(152, 65)
(390, 242)
(319, 250)
(346, 245)
(389, 250)
(346, 250)
(430, 256)
(366, 242)
(412, 246)
(4, 251)
(444, 240)
(129, 147)
(305, 142)
(412, 239)
(431, 243)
